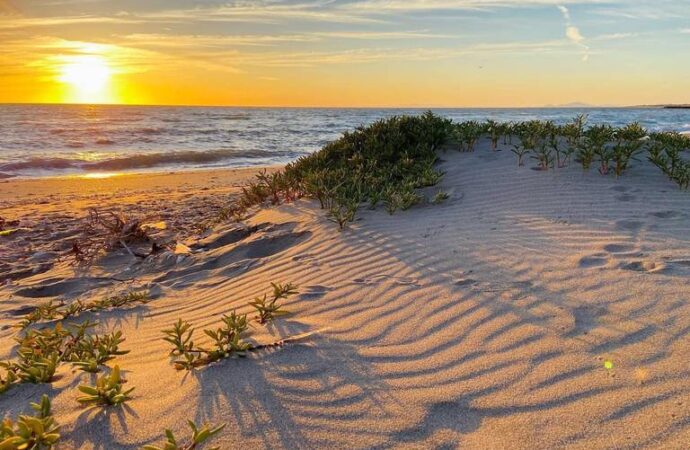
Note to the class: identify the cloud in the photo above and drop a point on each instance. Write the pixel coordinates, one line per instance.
(573, 33)
(565, 12)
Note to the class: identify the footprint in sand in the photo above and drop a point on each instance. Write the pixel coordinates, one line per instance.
(306, 258)
(625, 198)
(620, 188)
(677, 267)
(629, 225)
(589, 262)
(619, 248)
(466, 282)
(314, 292)
(643, 266)
(586, 318)
(381, 278)
(665, 214)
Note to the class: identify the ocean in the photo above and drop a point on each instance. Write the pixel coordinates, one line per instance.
(58, 140)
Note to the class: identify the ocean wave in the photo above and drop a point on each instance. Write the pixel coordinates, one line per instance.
(104, 141)
(137, 161)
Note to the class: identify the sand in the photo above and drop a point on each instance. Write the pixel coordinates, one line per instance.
(531, 310)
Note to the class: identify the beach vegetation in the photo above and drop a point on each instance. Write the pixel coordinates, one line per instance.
(228, 338)
(665, 152)
(387, 158)
(50, 311)
(628, 143)
(468, 133)
(105, 231)
(495, 131)
(180, 336)
(31, 432)
(440, 197)
(342, 212)
(268, 309)
(200, 435)
(40, 352)
(107, 390)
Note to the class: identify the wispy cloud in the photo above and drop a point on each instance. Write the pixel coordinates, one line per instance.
(573, 33)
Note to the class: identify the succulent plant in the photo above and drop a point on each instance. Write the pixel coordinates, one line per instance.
(199, 436)
(180, 336)
(107, 390)
(36, 432)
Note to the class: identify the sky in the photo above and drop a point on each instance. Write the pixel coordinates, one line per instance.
(361, 53)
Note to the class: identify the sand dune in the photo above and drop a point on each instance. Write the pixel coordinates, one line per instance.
(531, 310)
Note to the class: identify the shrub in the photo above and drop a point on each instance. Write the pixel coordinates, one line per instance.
(389, 153)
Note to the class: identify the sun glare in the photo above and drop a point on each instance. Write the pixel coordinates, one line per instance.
(88, 76)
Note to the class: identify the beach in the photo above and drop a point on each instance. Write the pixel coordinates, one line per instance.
(530, 310)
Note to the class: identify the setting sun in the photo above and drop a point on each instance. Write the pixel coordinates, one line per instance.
(88, 76)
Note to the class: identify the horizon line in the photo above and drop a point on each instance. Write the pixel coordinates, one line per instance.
(428, 107)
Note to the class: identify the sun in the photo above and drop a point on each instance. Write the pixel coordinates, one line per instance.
(88, 75)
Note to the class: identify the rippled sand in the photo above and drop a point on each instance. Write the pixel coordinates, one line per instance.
(531, 310)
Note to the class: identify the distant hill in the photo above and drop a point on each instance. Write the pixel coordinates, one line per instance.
(571, 105)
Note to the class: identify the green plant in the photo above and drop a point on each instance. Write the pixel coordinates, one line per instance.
(665, 152)
(597, 144)
(343, 212)
(520, 151)
(49, 311)
(268, 309)
(199, 437)
(37, 368)
(180, 336)
(440, 197)
(92, 351)
(495, 130)
(35, 432)
(9, 379)
(107, 390)
(468, 133)
(628, 144)
(118, 301)
(227, 339)
(43, 312)
(40, 352)
(574, 132)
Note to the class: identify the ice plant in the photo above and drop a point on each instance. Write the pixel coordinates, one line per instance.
(198, 438)
(107, 390)
(36, 432)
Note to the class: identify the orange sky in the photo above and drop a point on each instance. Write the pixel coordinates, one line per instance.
(344, 53)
